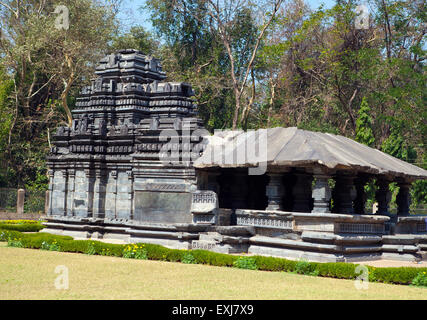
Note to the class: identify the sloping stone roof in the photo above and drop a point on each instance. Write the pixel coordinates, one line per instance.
(293, 147)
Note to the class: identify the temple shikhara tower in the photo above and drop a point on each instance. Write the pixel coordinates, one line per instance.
(137, 165)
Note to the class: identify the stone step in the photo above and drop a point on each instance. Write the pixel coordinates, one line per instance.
(210, 236)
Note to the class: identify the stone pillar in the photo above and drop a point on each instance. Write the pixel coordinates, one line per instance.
(83, 193)
(274, 191)
(111, 195)
(46, 202)
(302, 192)
(99, 194)
(360, 201)
(59, 193)
(20, 202)
(70, 193)
(344, 193)
(383, 196)
(403, 198)
(50, 189)
(321, 194)
(124, 201)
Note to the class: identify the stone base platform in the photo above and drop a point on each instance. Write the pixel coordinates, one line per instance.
(295, 236)
(175, 236)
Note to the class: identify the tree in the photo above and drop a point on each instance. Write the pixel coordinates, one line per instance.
(364, 133)
(47, 49)
(136, 38)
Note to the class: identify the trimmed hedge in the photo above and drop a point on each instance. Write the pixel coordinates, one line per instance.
(339, 270)
(21, 225)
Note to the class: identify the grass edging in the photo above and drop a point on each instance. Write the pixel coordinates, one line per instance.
(339, 270)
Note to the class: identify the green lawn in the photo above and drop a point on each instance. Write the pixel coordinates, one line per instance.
(30, 274)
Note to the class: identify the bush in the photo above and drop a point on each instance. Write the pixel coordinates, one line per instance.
(17, 243)
(50, 246)
(21, 225)
(420, 280)
(188, 258)
(245, 263)
(306, 268)
(274, 264)
(402, 275)
(135, 251)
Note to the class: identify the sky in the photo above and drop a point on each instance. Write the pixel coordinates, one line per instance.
(131, 14)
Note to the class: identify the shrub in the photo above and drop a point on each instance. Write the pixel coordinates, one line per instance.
(90, 249)
(338, 270)
(135, 251)
(245, 263)
(402, 275)
(420, 280)
(188, 258)
(274, 264)
(22, 227)
(50, 246)
(16, 243)
(306, 268)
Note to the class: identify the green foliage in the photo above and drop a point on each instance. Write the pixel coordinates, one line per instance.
(90, 250)
(397, 146)
(245, 263)
(364, 132)
(16, 243)
(50, 246)
(401, 275)
(307, 268)
(135, 251)
(188, 258)
(22, 227)
(420, 280)
(136, 38)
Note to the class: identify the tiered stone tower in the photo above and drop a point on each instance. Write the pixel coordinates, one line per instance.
(119, 159)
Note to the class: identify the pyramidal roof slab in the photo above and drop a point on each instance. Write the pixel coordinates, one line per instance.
(293, 147)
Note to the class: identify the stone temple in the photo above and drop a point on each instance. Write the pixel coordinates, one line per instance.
(137, 165)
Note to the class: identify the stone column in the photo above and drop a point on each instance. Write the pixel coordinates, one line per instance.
(130, 192)
(383, 196)
(321, 194)
(360, 201)
(99, 194)
(50, 189)
(46, 202)
(274, 191)
(20, 201)
(70, 193)
(111, 195)
(344, 194)
(403, 198)
(59, 193)
(124, 200)
(302, 192)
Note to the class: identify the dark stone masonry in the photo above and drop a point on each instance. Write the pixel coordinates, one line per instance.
(136, 165)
